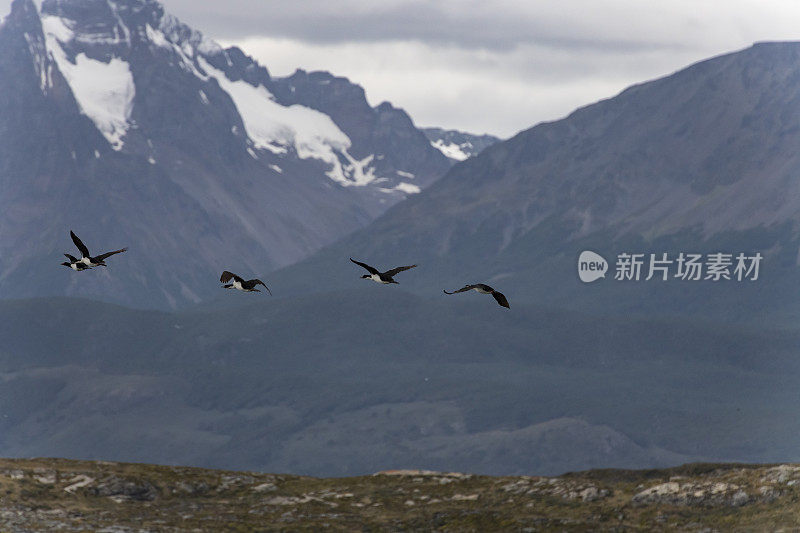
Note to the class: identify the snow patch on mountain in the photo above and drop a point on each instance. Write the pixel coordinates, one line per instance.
(184, 51)
(120, 26)
(275, 127)
(104, 91)
(458, 145)
(119, 34)
(175, 31)
(407, 188)
(354, 172)
(451, 150)
(41, 63)
(157, 37)
(56, 30)
(268, 123)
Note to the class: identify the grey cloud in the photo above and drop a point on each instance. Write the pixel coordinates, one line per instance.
(515, 62)
(497, 25)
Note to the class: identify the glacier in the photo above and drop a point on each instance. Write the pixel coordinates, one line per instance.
(104, 91)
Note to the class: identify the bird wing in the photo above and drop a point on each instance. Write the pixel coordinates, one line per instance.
(394, 271)
(227, 276)
(71, 258)
(109, 254)
(370, 269)
(463, 289)
(258, 281)
(79, 243)
(501, 299)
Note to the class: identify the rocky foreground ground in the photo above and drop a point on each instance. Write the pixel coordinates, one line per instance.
(65, 495)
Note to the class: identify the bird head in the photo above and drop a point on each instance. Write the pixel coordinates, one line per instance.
(366, 276)
(66, 264)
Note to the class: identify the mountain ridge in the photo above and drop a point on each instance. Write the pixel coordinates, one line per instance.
(144, 123)
(459, 145)
(702, 160)
(304, 384)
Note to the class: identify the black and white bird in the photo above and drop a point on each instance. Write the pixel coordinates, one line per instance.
(483, 289)
(86, 258)
(380, 277)
(240, 284)
(75, 264)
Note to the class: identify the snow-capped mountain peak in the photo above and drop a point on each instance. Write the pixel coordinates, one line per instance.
(94, 57)
(104, 89)
(458, 145)
(119, 107)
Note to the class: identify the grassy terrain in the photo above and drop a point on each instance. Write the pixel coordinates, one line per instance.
(49, 494)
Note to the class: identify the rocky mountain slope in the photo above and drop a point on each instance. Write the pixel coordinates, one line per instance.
(702, 161)
(133, 129)
(56, 494)
(306, 385)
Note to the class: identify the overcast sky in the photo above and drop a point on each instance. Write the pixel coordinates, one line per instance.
(495, 66)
